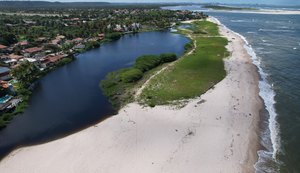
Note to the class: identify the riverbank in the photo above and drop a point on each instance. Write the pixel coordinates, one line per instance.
(213, 133)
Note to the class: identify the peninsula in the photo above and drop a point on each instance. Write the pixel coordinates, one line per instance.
(213, 130)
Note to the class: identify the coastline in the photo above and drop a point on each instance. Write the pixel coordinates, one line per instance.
(215, 132)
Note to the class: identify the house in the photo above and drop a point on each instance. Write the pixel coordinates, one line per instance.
(51, 59)
(60, 37)
(11, 62)
(4, 84)
(3, 48)
(118, 28)
(32, 50)
(29, 22)
(22, 43)
(77, 40)
(42, 39)
(16, 57)
(56, 41)
(3, 57)
(79, 46)
(101, 36)
(31, 60)
(4, 73)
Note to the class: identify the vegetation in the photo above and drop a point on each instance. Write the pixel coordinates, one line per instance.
(204, 28)
(167, 57)
(119, 85)
(8, 116)
(63, 29)
(82, 22)
(193, 74)
(221, 7)
(26, 73)
(114, 36)
(188, 46)
(147, 62)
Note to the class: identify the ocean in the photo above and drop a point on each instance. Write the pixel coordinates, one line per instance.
(274, 44)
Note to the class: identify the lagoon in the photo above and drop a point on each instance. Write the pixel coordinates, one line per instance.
(69, 99)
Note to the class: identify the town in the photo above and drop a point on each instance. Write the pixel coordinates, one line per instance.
(32, 44)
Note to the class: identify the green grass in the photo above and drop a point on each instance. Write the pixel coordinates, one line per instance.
(120, 86)
(191, 75)
(205, 28)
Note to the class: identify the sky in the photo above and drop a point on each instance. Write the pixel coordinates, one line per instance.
(275, 2)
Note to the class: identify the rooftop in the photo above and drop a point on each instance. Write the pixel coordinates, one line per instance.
(33, 49)
(2, 46)
(4, 69)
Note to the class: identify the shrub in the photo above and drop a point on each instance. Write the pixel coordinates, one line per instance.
(131, 75)
(167, 57)
(189, 46)
(147, 62)
(114, 35)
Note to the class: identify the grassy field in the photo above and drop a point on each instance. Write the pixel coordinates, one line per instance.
(120, 86)
(193, 74)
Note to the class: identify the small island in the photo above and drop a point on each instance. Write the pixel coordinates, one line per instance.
(228, 8)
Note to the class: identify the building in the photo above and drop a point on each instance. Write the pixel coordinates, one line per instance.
(77, 40)
(79, 46)
(16, 57)
(4, 73)
(31, 51)
(3, 48)
(101, 36)
(22, 43)
(51, 59)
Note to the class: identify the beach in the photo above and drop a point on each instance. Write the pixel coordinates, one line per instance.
(216, 132)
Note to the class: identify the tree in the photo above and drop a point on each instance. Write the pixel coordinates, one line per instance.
(26, 73)
(167, 57)
(131, 75)
(147, 62)
(8, 39)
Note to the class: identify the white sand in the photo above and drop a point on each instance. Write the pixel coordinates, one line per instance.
(212, 134)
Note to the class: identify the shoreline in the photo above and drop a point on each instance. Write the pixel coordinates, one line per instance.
(222, 123)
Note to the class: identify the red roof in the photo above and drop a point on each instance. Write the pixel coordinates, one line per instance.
(13, 56)
(78, 39)
(55, 58)
(2, 46)
(23, 43)
(33, 49)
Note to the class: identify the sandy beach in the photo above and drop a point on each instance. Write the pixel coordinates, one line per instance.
(215, 133)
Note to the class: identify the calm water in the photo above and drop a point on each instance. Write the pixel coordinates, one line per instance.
(69, 98)
(274, 43)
